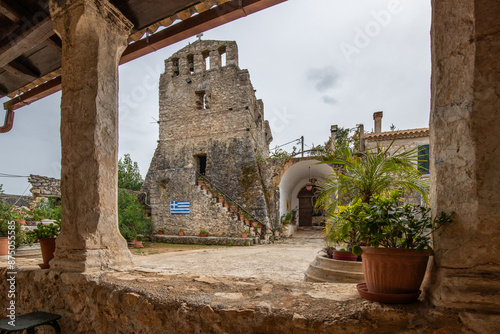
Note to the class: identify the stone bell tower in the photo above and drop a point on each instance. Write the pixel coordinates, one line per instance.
(210, 123)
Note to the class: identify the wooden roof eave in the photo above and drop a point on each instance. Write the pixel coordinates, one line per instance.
(225, 12)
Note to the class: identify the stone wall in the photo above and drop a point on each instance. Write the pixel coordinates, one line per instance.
(208, 115)
(145, 302)
(205, 213)
(43, 186)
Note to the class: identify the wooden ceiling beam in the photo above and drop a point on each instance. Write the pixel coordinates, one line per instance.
(227, 12)
(26, 41)
(19, 69)
(11, 13)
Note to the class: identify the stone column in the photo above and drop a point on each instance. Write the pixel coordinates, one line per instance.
(465, 153)
(214, 59)
(94, 35)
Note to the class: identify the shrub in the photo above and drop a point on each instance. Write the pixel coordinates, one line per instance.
(132, 220)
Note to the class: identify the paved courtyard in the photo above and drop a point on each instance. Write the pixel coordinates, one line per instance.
(285, 260)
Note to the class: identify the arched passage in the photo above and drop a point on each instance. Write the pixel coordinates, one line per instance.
(295, 179)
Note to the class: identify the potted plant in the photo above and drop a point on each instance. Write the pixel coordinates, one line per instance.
(181, 232)
(161, 231)
(203, 233)
(138, 241)
(293, 216)
(46, 235)
(244, 233)
(396, 241)
(340, 231)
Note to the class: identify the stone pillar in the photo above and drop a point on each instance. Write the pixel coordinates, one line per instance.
(232, 54)
(214, 59)
(94, 35)
(465, 154)
(199, 63)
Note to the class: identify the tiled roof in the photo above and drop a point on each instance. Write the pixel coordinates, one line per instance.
(400, 134)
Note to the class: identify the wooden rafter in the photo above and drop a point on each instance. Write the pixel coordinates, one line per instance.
(206, 19)
(26, 41)
(19, 69)
(11, 13)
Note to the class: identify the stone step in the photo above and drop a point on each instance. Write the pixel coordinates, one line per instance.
(328, 270)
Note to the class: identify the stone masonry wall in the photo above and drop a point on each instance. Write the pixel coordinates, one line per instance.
(213, 114)
(45, 186)
(205, 213)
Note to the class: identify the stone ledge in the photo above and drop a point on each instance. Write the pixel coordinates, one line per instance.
(148, 302)
(194, 240)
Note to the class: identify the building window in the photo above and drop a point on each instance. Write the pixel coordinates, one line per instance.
(175, 63)
(222, 55)
(206, 60)
(423, 159)
(190, 59)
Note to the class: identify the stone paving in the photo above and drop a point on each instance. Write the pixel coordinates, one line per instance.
(287, 259)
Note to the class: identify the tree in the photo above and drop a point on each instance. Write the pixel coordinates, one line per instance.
(129, 176)
(1, 190)
(374, 172)
(131, 217)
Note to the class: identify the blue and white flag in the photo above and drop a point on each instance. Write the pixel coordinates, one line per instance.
(179, 207)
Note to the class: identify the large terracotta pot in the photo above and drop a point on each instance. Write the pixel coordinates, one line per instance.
(394, 270)
(48, 247)
(4, 246)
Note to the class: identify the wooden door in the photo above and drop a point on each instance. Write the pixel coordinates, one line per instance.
(305, 207)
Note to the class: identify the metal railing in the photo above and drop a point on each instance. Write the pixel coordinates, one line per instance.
(226, 196)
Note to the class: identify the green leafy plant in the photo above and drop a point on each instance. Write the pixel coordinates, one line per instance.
(388, 223)
(203, 231)
(245, 231)
(44, 209)
(44, 231)
(132, 219)
(129, 176)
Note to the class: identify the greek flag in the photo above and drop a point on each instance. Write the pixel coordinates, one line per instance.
(179, 207)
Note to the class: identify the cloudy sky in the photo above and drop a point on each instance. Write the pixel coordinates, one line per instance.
(313, 63)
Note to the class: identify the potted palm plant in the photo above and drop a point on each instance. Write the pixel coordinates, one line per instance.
(362, 175)
(203, 233)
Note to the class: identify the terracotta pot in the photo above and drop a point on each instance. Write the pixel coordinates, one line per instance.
(48, 247)
(294, 222)
(254, 224)
(344, 256)
(244, 235)
(226, 204)
(160, 232)
(221, 199)
(201, 183)
(4, 246)
(247, 222)
(21, 221)
(138, 244)
(181, 233)
(203, 234)
(394, 270)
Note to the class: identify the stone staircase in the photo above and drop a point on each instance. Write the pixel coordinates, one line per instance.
(230, 209)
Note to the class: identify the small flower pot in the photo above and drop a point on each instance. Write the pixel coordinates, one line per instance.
(203, 235)
(254, 224)
(221, 199)
(247, 222)
(160, 232)
(241, 217)
(138, 244)
(244, 235)
(181, 233)
(226, 204)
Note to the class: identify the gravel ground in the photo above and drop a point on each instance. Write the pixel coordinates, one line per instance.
(286, 259)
